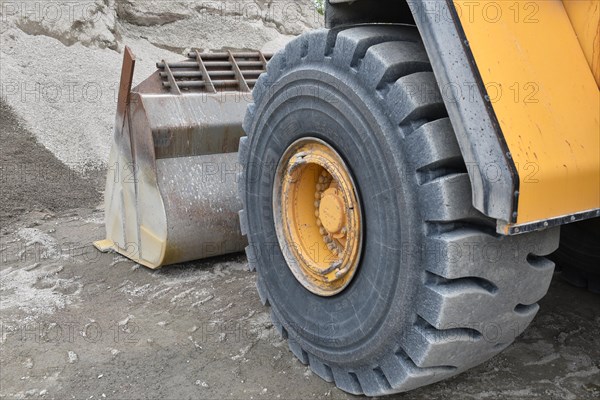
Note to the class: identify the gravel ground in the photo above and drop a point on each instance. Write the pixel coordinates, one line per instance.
(31, 175)
(75, 323)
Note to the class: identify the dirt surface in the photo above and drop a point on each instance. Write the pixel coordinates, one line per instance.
(79, 324)
(33, 179)
(75, 323)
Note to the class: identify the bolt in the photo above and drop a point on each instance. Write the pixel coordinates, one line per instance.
(317, 213)
(340, 273)
(317, 203)
(321, 230)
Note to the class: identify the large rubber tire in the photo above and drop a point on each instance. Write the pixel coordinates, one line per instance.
(578, 257)
(436, 291)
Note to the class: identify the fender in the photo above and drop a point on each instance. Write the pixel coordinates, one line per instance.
(529, 136)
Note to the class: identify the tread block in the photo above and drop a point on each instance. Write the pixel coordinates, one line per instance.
(545, 242)
(494, 316)
(347, 381)
(459, 305)
(415, 96)
(251, 110)
(297, 49)
(449, 199)
(503, 261)
(276, 65)
(251, 256)
(373, 381)
(404, 375)
(243, 150)
(389, 61)
(434, 146)
(467, 252)
(352, 44)
(458, 347)
(278, 325)
(241, 187)
(262, 291)
(318, 41)
(536, 287)
(320, 369)
(300, 354)
(243, 222)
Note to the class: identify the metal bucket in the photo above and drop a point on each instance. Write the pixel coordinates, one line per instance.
(171, 190)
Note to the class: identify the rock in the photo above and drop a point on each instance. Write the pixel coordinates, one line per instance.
(28, 363)
(61, 62)
(72, 357)
(91, 23)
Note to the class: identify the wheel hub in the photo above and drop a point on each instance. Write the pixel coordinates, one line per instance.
(317, 216)
(332, 212)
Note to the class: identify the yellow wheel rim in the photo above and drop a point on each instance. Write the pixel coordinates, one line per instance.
(317, 216)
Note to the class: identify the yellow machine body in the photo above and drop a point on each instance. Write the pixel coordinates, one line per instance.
(539, 62)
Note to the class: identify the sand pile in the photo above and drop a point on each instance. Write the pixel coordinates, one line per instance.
(60, 61)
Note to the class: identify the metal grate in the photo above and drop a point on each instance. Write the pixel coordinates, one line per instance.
(212, 72)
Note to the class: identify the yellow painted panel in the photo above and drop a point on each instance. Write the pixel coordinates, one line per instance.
(545, 98)
(585, 18)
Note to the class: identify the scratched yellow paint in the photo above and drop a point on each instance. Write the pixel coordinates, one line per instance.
(545, 98)
(585, 18)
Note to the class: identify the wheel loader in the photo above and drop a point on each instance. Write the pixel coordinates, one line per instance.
(399, 176)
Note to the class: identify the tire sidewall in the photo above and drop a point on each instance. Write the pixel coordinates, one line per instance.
(357, 325)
